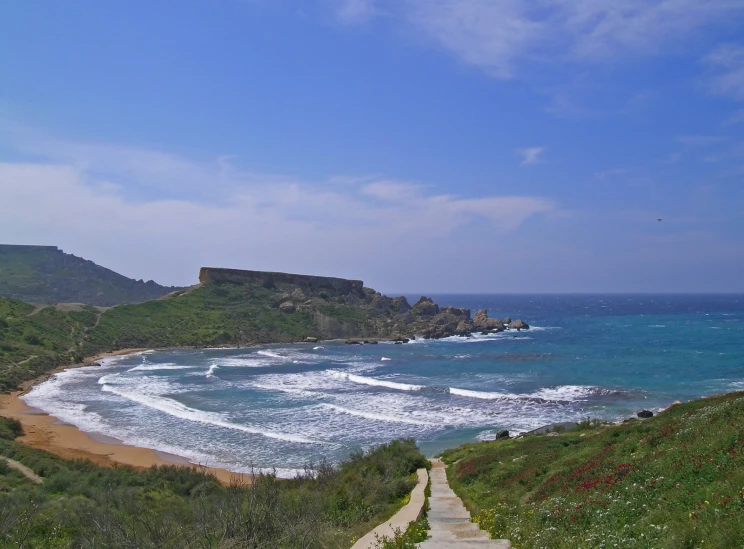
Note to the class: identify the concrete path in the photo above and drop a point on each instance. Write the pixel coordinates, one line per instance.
(21, 468)
(450, 521)
(410, 512)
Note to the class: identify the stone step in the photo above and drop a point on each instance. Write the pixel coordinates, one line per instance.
(449, 521)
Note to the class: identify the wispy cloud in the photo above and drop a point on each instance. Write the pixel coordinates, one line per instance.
(531, 155)
(735, 118)
(699, 140)
(353, 12)
(728, 62)
(244, 219)
(500, 35)
(608, 174)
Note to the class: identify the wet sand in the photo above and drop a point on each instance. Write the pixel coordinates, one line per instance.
(48, 433)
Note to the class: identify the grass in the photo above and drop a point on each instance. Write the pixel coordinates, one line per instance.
(32, 344)
(81, 505)
(673, 481)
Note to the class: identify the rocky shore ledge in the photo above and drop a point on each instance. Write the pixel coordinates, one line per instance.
(340, 308)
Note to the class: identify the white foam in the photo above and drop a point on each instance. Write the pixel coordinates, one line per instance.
(270, 354)
(384, 359)
(176, 409)
(212, 369)
(570, 392)
(375, 382)
(479, 394)
(318, 348)
(374, 416)
(155, 367)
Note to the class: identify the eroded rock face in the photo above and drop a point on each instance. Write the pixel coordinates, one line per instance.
(287, 307)
(425, 306)
(482, 322)
(518, 325)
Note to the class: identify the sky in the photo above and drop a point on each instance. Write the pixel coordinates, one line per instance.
(469, 146)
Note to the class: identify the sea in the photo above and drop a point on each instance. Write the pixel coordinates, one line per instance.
(290, 407)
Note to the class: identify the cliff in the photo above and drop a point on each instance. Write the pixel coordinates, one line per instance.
(277, 280)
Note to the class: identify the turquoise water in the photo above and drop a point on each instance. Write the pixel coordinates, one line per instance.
(287, 406)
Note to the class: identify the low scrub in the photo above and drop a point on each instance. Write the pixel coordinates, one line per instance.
(81, 505)
(673, 481)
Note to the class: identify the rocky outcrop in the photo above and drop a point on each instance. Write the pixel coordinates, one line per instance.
(345, 309)
(483, 323)
(425, 306)
(314, 284)
(518, 325)
(645, 414)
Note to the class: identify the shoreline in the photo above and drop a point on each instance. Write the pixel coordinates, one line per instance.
(46, 432)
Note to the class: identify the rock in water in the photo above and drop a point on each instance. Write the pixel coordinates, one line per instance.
(518, 325)
(482, 322)
(502, 435)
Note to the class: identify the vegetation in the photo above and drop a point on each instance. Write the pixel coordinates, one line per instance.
(81, 505)
(33, 341)
(45, 274)
(672, 481)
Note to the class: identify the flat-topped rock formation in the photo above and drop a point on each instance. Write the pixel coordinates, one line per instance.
(273, 280)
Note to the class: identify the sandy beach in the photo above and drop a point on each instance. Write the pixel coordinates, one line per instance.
(48, 433)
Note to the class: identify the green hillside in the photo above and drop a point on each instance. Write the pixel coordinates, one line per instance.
(672, 481)
(81, 505)
(45, 274)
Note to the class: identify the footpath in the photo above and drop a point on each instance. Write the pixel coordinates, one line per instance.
(450, 521)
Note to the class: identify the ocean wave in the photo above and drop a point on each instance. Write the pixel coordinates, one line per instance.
(181, 411)
(375, 382)
(212, 369)
(271, 354)
(385, 359)
(375, 416)
(572, 392)
(480, 394)
(155, 367)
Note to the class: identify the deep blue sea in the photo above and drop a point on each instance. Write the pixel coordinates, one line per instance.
(287, 406)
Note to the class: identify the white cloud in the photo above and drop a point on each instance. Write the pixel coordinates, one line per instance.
(728, 61)
(699, 140)
(356, 229)
(500, 35)
(352, 12)
(531, 155)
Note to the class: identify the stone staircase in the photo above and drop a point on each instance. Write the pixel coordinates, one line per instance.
(450, 521)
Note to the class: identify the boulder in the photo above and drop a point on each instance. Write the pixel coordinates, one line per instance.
(507, 320)
(645, 414)
(482, 322)
(463, 328)
(518, 325)
(426, 307)
(400, 304)
(353, 342)
(456, 311)
(287, 307)
(502, 435)
(352, 299)
(298, 295)
(311, 339)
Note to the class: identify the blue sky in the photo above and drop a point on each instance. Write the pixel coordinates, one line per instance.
(421, 145)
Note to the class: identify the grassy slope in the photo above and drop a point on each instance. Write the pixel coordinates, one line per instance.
(50, 276)
(51, 336)
(82, 505)
(213, 314)
(673, 481)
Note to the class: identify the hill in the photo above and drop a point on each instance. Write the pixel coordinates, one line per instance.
(45, 274)
(671, 481)
(229, 307)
